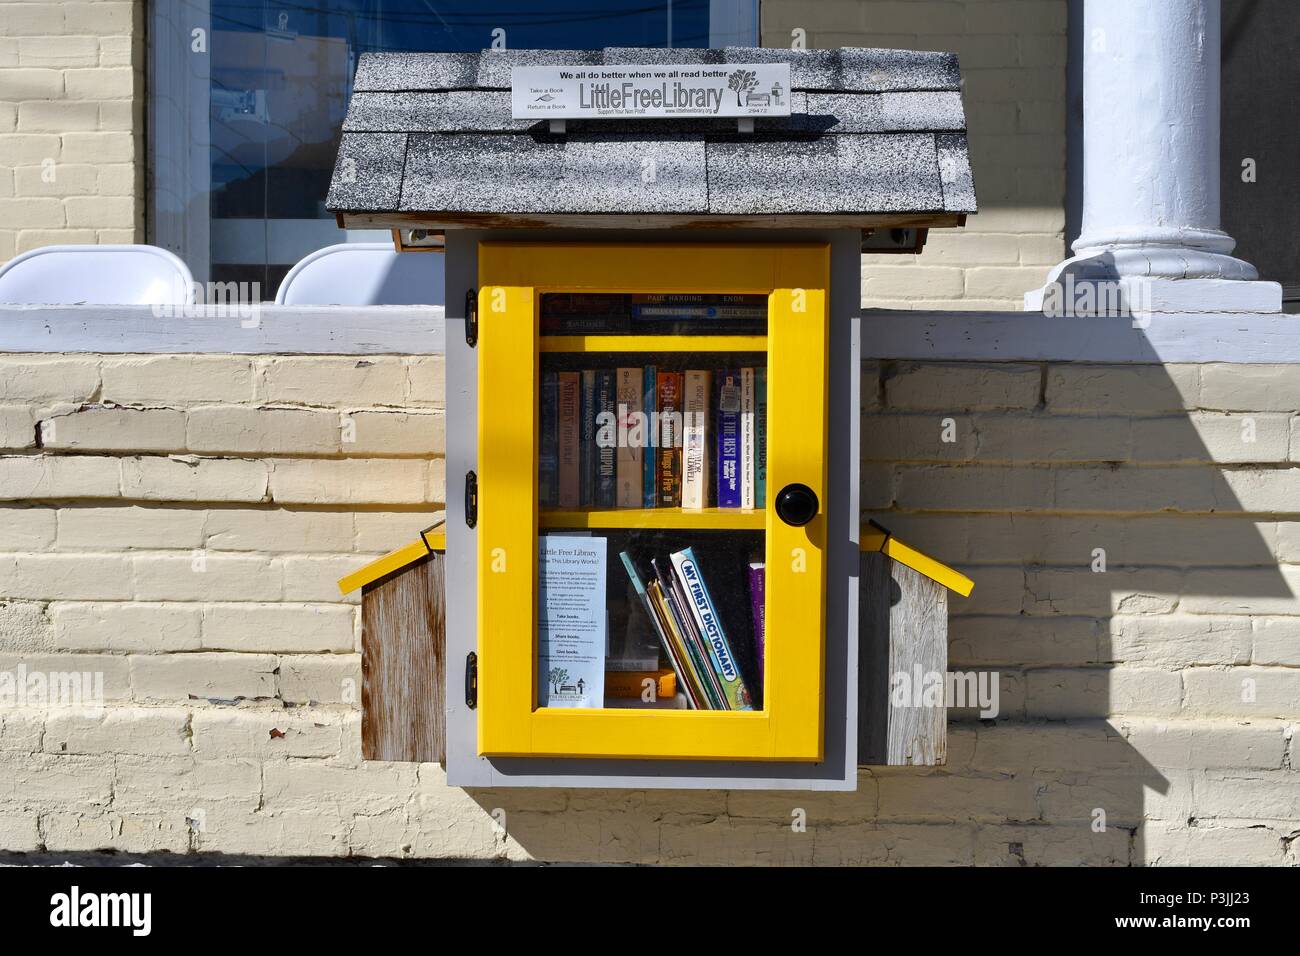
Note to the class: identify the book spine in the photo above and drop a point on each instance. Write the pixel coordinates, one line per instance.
(567, 442)
(695, 456)
(548, 473)
(728, 439)
(705, 612)
(650, 376)
(760, 437)
(758, 614)
(587, 453)
(690, 636)
(606, 438)
(669, 454)
(747, 438)
(686, 678)
(629, 438)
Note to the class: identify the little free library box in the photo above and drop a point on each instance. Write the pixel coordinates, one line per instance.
(653, 571)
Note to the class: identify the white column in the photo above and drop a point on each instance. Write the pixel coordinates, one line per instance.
(1151, 168)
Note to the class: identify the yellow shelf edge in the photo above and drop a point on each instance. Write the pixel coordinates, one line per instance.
(652, 343)
(875, 538)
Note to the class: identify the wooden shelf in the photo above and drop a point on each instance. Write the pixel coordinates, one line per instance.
(653, 343)
(706, 519)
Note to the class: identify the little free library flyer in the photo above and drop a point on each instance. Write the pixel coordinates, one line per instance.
(571, 621)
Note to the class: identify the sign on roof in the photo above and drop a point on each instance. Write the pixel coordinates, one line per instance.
(674, 91)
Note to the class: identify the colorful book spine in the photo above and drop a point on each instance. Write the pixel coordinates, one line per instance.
(695, 453)
(760, 437)
(567, 439)
(587, 452)
(669, 453)
(548, 461)
(691, 637)
(670, 648)
(649, 495)
(758, 614)
(728, 439)
(630, 437)
(606, 438)
(747, 438)
(688, 678)
(705, 613)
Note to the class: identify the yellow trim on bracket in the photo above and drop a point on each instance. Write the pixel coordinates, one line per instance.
(430, 541)
(875, 538)
(512, 277)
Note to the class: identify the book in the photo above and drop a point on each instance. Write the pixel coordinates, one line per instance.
(702, 608)
(687, 676)
(548, 471)
(728, 439)
(747, 438)
(758, 619)
(696, 313)
(568, 430)
(695, 434)
(583, 313)
(692, 640)
(760, 437)
(631, 428)
(649, 379)
(631, 684)
(606, 438)
(668, 406)
(587, 449)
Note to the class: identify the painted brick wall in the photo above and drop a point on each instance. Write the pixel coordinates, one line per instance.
(1013, 58)
(181, 523)
(71, 123)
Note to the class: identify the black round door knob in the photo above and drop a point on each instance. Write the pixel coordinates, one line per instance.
(796, 504)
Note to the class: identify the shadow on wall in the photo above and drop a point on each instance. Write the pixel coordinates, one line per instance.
(1114, 562)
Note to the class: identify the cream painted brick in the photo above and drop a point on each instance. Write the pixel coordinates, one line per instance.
(1275, 490)
(1179, 640)
(1135, 389)
(1201, 744)
(362, 481)
(224, 732)
(183, 785)
(9, 52)
(959, 488)
(118, 179)
(278, 529)
(1258, 795)
(279, 628)
(116, 82)
(380, 380)
(1041, 250)
(1073, 797)
(999, 591)
(57, 116)
(1044, 438)
(45, 212)
(84, 577)
(99, 210)
(329, 679)
(116, 51)
(17, 427)
(19, 832)
(30, 239)
(33, 84)
(1257, 388)
(316, 578)
(281, 431)
(426, 380)
(1101, 692)
(74, 679)
(1139, 490)
(944, 247)
(178, 379)
(129, 526)
(1019, 748)
(394, 433)
(382, 531)
(1211, 437)
(46, 781)
(40, 379)
(170, 677)
(925, 282)
(59, 51)
(190, 478)
(26, 528)
(207, 576)
(118, 236)
(144, 832)
(983, 640)
(952, 387)
(1226, 693)
(1276, 641)
(101, 18)
(1175, 844)
(318, 832)
(945, 798)
(118, 730)
(1080, 591)
(60, 179)
(1008, 282)
(1022, 218)
(1060, 845)
(25, 627)
(1243, 591)
(33, 19)
(436, 489)
(121, 114)
(103, 146)
(126, 627)
(114, 428)
(27, 477)
(21, 729)
(306, 784)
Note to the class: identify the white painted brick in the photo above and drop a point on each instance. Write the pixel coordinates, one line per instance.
(985, 639)
(225, 732)
(18, 831)
(35, 476)
(957, 488)
(1276, 641)
(1201, 744)
(316, 577)
(1126, 390)
(1249, 795)
(281, 431)
(124, 627)
(426, 380)
(170, 784)
(394, 433)
(952, 387)
(129, 526)
(26, 528)
(360, 481)
(376, 380)
(178, 379)
(1210, 437)
(304, 784)
(1243, 591)
(278, 529)
(71, 680)
(318, 832)
(1228, 693)
(207, 576)
(25, 627)
(191, 478)
(1179, 640)
(378, 532)
(58, 51)
(21, 729)
(95, 84)
(1118, 591)
(17, 427)
(940, 797)
(926, 282)
(279, 628)
(46, 781)
(86, 577)
(118, 730)
(1100, 692)
(1250, 388)
(330, 679)
(171, 677)
(38, 379)
(1175, 844)
(108, 428)
(103, 146)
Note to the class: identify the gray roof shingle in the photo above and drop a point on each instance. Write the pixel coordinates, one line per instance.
(872, 134)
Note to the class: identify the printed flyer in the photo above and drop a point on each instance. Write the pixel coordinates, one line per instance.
(571, 621)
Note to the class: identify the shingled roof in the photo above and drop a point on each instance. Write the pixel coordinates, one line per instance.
(875, 138)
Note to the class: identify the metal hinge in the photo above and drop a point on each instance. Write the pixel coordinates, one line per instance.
(471, 498)
(471, 318)
(471, 680)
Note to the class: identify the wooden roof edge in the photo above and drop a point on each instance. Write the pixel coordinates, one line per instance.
(431, 539)
(876, 537)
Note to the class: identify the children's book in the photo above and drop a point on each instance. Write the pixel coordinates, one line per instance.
(709, 623)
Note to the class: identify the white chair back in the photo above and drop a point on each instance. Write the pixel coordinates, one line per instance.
(96, 275)
(364, 273)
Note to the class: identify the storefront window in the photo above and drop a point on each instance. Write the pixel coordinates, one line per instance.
(247, 98)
